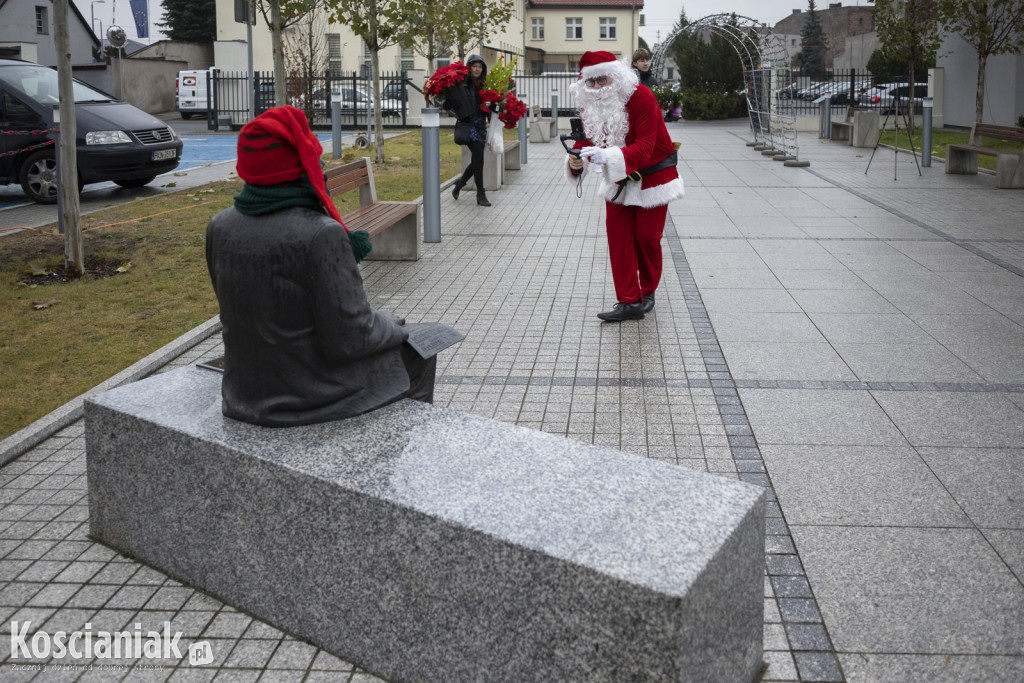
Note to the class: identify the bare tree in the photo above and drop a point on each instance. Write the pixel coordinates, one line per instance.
(279, 15)
(305, 56)
(909, 29)
(991, 27)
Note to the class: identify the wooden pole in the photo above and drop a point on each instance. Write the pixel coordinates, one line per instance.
(74, 252)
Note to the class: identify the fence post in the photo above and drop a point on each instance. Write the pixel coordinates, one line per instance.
(926, 130)
(431, 174)
(554, 107)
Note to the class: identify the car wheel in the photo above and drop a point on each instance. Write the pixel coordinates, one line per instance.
(186, 116)
(39, 177)
(135, 182)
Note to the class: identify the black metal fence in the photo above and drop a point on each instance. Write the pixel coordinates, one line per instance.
(230, 94)
(799, 96)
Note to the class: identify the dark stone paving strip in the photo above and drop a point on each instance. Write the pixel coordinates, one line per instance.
(721, 381)
(963, 244)
(813, 651)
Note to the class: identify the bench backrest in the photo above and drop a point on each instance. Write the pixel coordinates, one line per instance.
(988, 130)
(347, 177)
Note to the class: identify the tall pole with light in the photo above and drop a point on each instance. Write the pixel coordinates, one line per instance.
(92, 17)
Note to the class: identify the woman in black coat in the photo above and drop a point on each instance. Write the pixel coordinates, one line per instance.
(465, 104)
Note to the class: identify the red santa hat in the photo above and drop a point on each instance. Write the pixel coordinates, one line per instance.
(599, 63)
(277, 147)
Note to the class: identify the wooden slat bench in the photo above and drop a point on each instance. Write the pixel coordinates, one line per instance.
(512, 160)
(394, 227)
(962, 159)
(541, 129)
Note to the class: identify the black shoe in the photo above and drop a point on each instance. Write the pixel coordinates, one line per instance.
(633, 311)
(457, 189)
(481, 199)
(648, 302)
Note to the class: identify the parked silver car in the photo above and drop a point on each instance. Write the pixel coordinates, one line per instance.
(884, 97)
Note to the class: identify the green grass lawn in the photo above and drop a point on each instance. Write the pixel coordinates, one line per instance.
(941, 138)
(98, 325)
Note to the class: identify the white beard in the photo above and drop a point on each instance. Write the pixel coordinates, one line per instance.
(603, 110)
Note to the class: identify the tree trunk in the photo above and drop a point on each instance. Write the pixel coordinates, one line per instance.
(910, 99)
(979, 96)
(277, 51)
(74, 251)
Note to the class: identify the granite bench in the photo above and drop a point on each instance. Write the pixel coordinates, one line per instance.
(513, 162)
(421, 543)
(494, 166)
(962, 159)
(542, 128)
(394, 227)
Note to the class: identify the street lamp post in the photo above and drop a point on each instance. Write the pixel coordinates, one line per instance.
(92, 15)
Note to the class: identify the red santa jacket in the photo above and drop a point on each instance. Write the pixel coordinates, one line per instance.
(647, 143)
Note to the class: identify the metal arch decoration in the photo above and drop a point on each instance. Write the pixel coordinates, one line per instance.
(766, 67)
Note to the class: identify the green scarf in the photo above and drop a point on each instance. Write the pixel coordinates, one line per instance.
(256, 200)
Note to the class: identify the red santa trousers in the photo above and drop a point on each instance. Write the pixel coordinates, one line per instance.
(634, 245)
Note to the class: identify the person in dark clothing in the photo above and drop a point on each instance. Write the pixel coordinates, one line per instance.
(301, 342)
(642, 67)
(467, 110)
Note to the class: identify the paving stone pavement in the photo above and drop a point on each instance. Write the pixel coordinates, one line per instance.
(852, 342)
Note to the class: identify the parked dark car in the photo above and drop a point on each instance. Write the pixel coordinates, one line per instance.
(115, 141)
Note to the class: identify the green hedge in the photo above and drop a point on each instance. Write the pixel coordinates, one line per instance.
(701, 106)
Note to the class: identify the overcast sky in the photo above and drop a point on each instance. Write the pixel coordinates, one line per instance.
(662, 15)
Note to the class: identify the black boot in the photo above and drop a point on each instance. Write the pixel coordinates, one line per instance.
(648, 302)
(621, 311)
(481, 199)
(457, 188)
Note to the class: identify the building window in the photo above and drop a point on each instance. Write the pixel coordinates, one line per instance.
(537, 28)
(42, 21)
(408, 59)
(607, 28)
(537, 67)
(669, 73)
(334, 54)
(443, 61)
(574, 28)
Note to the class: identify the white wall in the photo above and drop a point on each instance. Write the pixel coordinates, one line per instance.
(1004, 85)
(18, 26)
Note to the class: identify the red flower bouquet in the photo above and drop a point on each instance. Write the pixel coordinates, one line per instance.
(496, 92)
(514, 110)
(444, 79)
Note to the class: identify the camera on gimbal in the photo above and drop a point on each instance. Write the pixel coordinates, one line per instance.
(576, 135)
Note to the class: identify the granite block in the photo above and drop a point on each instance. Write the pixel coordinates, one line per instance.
(425, 544)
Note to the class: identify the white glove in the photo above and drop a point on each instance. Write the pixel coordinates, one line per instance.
(596, 155)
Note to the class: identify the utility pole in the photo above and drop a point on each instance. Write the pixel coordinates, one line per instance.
(74, 251)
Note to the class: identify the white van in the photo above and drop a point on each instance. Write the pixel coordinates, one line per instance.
(190, 93)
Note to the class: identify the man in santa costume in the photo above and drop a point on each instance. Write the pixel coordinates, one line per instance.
(628, 141)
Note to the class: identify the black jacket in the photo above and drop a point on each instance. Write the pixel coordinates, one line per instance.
(301, 342)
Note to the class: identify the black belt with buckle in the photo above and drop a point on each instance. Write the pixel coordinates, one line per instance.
(636, 176)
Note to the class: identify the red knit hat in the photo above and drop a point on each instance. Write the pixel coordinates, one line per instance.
(591, 63)
(277, 146)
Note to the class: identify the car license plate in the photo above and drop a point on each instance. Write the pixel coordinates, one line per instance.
(161, 154)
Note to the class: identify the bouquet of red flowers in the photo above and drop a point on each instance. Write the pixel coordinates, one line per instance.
(444, 79)
(514, 110)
